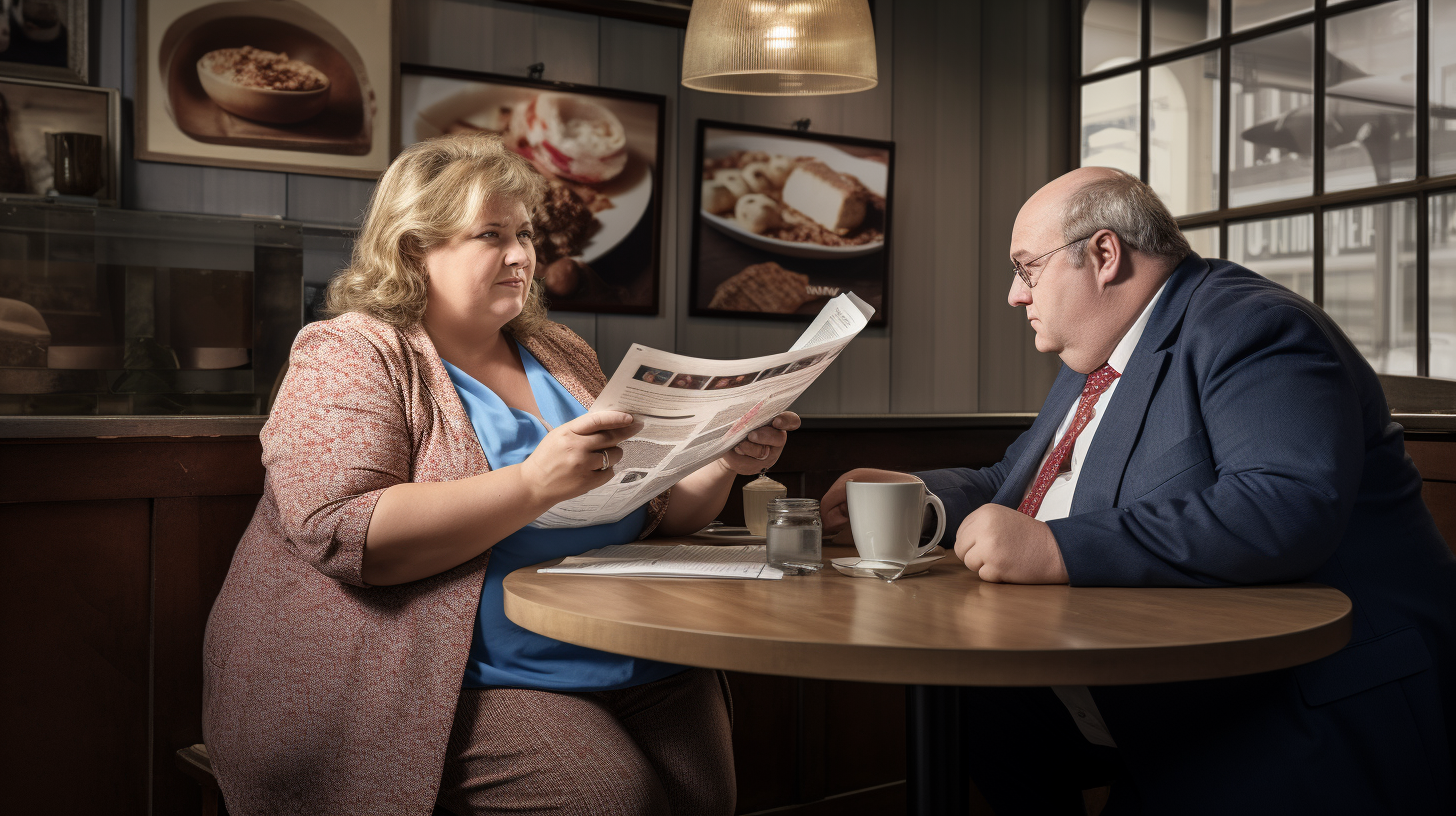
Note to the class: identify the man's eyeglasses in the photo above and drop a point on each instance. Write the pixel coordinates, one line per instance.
(1020, 268)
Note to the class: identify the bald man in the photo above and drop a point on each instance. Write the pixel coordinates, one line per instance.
(1208, 428)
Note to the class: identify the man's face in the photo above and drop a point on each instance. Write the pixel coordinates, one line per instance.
(1059, 306)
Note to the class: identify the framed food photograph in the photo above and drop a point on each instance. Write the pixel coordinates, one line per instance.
(601, 153)
(59, 138)
(304, 86)
(44, 39)
(784, 220)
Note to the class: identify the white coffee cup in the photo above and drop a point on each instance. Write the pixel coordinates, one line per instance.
(886, 518)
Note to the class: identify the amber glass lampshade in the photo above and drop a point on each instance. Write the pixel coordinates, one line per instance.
(780, 47)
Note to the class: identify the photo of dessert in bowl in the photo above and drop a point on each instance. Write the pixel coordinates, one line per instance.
(263, 85)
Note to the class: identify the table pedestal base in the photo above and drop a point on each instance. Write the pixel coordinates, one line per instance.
(937, 781)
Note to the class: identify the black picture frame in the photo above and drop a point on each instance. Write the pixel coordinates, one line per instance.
(661, 12)
(56, 49)
(616, 268)
(736, 272)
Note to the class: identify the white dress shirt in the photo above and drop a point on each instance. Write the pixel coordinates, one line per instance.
(1058, 504)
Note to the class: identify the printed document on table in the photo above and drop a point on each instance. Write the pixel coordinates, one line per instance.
(692, 410)
(744, 561)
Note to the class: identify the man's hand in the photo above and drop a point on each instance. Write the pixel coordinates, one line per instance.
(1006, 546)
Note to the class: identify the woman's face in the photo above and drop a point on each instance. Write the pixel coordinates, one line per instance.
(484, 273)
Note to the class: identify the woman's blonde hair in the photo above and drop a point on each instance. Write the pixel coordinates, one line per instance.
(432, 192)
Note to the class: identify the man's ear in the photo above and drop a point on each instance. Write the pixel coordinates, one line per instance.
(1107, 255)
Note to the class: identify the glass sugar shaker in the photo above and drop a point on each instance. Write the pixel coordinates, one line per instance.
(795, 535)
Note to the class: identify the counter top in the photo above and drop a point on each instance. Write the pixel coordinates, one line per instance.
(111, 427)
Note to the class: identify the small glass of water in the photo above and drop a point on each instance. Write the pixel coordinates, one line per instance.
(795, 535)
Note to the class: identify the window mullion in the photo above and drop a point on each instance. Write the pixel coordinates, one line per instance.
(1145, 38)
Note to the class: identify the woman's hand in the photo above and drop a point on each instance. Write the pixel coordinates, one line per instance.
(699, 498)
(570, 460)
(761, 449)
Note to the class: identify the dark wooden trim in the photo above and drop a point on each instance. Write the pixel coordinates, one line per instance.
(92, 469)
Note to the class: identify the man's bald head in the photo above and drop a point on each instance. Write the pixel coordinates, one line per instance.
(1092, 198)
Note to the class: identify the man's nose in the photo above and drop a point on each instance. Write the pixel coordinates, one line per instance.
(1019, 294)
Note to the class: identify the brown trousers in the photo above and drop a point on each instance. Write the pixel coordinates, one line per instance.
(664, 749)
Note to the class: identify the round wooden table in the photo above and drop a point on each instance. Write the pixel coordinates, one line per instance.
(944, 627)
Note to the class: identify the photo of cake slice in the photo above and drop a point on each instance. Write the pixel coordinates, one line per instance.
(827, 197)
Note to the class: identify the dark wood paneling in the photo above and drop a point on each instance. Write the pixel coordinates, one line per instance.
(91, 469)
(74, 689)
(1434, 459)
(896, 449)
(864, 732)
(765, 740)
(1441, 499)
(193, 540)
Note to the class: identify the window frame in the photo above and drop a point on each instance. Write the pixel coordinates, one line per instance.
(1421, 188)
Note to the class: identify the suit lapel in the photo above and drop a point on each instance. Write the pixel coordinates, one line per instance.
(1065, 391)
(1120, 427)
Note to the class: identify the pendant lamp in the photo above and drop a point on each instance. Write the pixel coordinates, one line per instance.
(780, 47)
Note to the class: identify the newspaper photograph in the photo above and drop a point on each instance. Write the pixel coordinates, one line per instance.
(692, 410)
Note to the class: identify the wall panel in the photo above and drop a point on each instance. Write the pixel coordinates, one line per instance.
(971, 92)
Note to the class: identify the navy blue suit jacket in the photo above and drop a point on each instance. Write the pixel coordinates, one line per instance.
(1248, 442)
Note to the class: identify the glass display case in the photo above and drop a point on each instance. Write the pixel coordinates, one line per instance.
(122, 312)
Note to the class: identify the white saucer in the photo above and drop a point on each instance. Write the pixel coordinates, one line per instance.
(850, 566)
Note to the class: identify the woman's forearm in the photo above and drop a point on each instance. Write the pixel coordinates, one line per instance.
(421, 529)
(697, 500)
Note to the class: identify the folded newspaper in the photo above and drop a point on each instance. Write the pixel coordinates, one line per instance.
(693, 410)
(681, 561)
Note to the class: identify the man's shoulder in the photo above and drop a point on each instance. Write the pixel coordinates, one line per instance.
(1232, 295)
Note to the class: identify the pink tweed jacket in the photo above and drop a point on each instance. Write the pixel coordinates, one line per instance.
(323, 694)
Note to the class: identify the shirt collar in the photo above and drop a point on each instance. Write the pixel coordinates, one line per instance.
(1129, 341)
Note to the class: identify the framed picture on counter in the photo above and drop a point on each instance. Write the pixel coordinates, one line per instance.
(601, 152)
(783, 220)
(44, 39)
(304, 86)
(58, 138)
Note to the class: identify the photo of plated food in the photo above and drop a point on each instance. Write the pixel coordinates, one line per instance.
(785, 220)
(598, 150)
(811, 200)
(301, 85)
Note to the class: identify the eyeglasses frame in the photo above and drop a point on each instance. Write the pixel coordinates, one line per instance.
(1020, 269)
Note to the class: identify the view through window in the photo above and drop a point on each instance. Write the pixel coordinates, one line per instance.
(1313, 141)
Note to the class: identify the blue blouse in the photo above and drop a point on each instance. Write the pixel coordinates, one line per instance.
(503, 654)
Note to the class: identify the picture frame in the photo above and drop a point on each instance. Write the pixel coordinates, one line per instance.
(45, 39)
(214, 87)
(760, 248)
(31, 110)
(599, 240)
(661, 12)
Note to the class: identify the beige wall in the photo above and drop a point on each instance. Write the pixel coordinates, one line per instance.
(972, 93)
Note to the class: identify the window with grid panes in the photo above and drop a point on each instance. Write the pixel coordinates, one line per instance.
(1313, 141)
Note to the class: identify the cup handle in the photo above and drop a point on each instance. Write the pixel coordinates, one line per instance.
(932, 499)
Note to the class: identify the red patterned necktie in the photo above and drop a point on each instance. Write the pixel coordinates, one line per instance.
(1097, 382)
